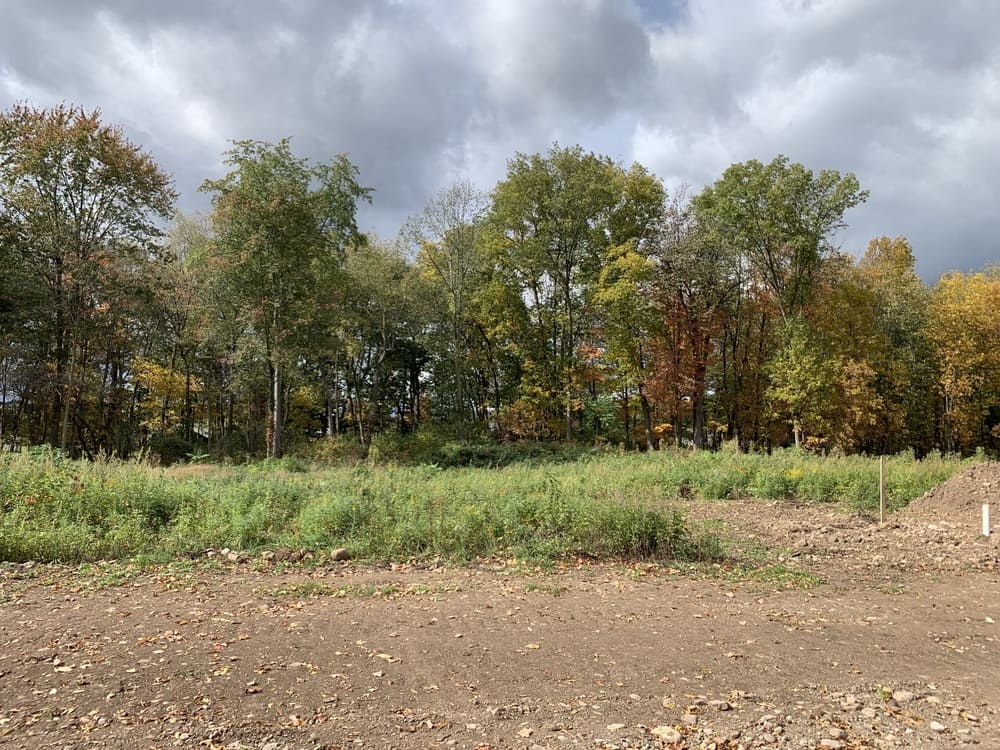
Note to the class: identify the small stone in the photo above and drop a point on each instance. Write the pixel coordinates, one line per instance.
(902, 696)
(615, 727)
(340, 554)
(836, 733)
(767, 739)
(667, 734)
(868, 712)
(938, 727)
(689, 720)
(526, 732)
(720, 705)
(830, 744)
(270, 746)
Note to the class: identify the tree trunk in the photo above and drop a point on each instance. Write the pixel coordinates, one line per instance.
(647, 420)
(277, 421)
(67, 398)
(626, 414)
(698, 418)
(188, 406)
(569, 419)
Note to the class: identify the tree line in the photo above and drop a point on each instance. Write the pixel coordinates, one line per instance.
(577, 301)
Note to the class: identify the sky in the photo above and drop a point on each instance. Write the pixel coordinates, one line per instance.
(422, 93)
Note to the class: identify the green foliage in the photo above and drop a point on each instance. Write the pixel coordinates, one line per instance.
(781, 216)
(281, 226)
(553, 221)
(80, 211)
(607, 507)
(576, 301)
(169, 448)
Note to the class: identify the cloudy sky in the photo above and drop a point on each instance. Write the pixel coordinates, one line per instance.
(420, 93)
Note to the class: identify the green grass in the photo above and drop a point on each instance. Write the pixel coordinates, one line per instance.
(601, 507)
(772, 575)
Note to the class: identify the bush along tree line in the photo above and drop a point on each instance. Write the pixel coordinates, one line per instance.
(576, 302)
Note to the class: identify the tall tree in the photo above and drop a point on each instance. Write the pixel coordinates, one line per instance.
(621, 294)
(964, 328)
(447, 235)
(904, 358)
(553, 219)
(384, 312)
(81, 207)
(281, 225)
(697, 277)
(781, 217)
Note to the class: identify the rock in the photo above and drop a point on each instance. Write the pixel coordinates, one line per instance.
(667, 734)
(902, 696)
(689, 720)
(340, 554)
(868, 712)
(938, 727)
(830, 744)
(836, 733)
(615, 727)
(720, 705)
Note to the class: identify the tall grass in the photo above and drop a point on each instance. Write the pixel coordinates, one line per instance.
(611, 506)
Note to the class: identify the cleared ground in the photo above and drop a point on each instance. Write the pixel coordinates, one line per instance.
(838, 632)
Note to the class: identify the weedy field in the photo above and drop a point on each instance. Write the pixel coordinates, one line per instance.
(602, 506)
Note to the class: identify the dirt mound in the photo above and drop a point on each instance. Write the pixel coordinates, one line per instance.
(940, 531)
(960, 499)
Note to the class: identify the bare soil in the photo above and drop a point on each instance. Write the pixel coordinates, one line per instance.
(835, 632)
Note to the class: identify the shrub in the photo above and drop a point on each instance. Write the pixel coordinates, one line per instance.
(624, 506)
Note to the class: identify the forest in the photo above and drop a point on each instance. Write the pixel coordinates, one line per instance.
(575, 302)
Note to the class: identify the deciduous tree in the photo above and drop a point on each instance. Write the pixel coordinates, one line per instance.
(280, 226)
(782, 218)
(80, 210)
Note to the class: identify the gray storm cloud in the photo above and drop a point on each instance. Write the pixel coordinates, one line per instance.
(419, 94)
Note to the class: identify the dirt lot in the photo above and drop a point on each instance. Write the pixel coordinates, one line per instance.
(842, 634)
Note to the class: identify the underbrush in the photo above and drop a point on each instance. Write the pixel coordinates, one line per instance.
(624, 507)
(55, 509)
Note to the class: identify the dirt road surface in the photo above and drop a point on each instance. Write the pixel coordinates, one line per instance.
(837, 633)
